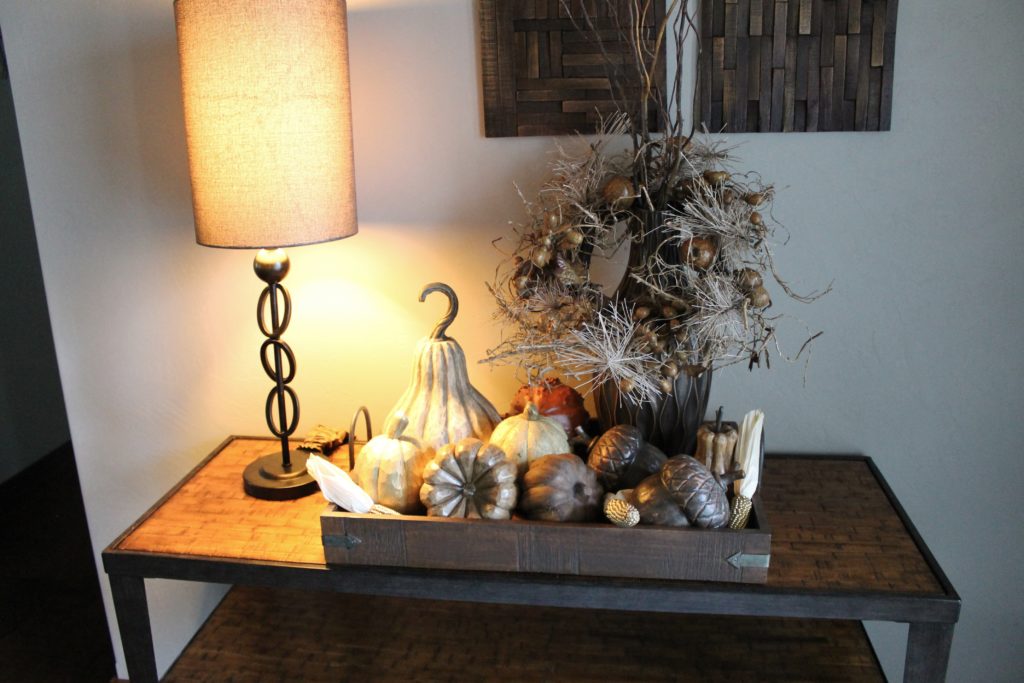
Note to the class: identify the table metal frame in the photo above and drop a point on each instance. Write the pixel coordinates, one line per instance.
(931, 617)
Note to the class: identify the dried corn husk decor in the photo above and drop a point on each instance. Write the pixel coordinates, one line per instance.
(338, 488)
(699, 234)
(619, 512)
(748, 459)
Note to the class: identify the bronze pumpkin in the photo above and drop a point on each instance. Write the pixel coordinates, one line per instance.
(561, 488)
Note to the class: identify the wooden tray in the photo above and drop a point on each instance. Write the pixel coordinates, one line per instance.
(518, 545)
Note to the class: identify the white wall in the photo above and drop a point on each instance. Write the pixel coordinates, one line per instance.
(921, 229)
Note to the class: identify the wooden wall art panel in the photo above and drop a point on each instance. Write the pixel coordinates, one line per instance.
(545, 74)
(796, 65)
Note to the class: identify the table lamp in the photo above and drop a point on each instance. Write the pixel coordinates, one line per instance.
(268, 124)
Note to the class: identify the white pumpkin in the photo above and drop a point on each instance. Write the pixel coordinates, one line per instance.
(440, 403)
(530, 435)
(390, 467)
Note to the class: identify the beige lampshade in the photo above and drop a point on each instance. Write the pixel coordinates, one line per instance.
(268, 120)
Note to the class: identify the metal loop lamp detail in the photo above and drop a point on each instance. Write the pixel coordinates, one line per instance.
(265, 88)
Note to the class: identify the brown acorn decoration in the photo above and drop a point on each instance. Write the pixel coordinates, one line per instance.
(716, 443)
(696, 490)
(555, 400)
(654, 503)
(698, 252)
(621, 458)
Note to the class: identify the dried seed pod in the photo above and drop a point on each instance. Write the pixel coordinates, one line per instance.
(541, 257)
(755, 218)
(759, 298)
(749, 279)
(553, 219)
(626, 385)
(698, 252)
(728, 196)
(670, 369)
(573, 238)
(754, 198)
(716, 177)
(619, 193)
(669, 312)
(641, 313)
(665, 385)
(521, 283)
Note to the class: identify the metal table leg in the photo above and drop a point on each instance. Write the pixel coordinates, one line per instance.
(133, 622)
(928, 652)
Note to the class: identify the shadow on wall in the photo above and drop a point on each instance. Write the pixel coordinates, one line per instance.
(33, 421)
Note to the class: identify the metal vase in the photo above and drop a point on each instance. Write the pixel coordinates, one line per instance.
(669, 422)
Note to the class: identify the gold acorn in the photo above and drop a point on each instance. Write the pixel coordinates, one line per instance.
(716, 177)
(749, 279)
(698, 252)
(572, 239)
(619, 193)
(759, 298)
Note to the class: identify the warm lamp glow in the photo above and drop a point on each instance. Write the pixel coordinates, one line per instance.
(265, 86)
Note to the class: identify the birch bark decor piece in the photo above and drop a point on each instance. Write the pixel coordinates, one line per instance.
(796, 65)
(552, 67)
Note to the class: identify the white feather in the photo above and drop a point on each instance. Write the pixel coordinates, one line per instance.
(748, 453)
(337, 486)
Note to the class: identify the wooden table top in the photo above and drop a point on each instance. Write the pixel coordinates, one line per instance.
(833, 527)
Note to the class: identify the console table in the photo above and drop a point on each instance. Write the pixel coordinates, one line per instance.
(842, 548)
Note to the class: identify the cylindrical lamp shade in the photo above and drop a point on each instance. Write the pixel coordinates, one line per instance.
(268, 120)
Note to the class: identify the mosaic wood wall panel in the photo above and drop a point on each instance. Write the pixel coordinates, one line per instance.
(796, 65)
(543, 75)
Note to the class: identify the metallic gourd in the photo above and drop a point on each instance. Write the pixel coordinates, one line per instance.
(470, 479)
(528, 436)
(440, 403)
(561, 488)
(390, 468)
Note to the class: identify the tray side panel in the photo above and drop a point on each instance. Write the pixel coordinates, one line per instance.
(544, 547)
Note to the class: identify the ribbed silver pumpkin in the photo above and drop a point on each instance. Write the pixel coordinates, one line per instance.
(470, 479)
(390, 468)
(440, 403)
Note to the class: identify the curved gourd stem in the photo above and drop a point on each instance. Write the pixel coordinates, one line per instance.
(453, 308)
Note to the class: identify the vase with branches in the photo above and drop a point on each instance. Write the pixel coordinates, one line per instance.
(699, 236)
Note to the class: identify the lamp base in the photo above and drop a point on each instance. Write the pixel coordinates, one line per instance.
(267, 479)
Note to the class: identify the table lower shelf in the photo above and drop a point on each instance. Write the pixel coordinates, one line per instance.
(335, 637)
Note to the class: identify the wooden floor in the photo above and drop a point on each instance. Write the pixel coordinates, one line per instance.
(52, 624)
(262, 634)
